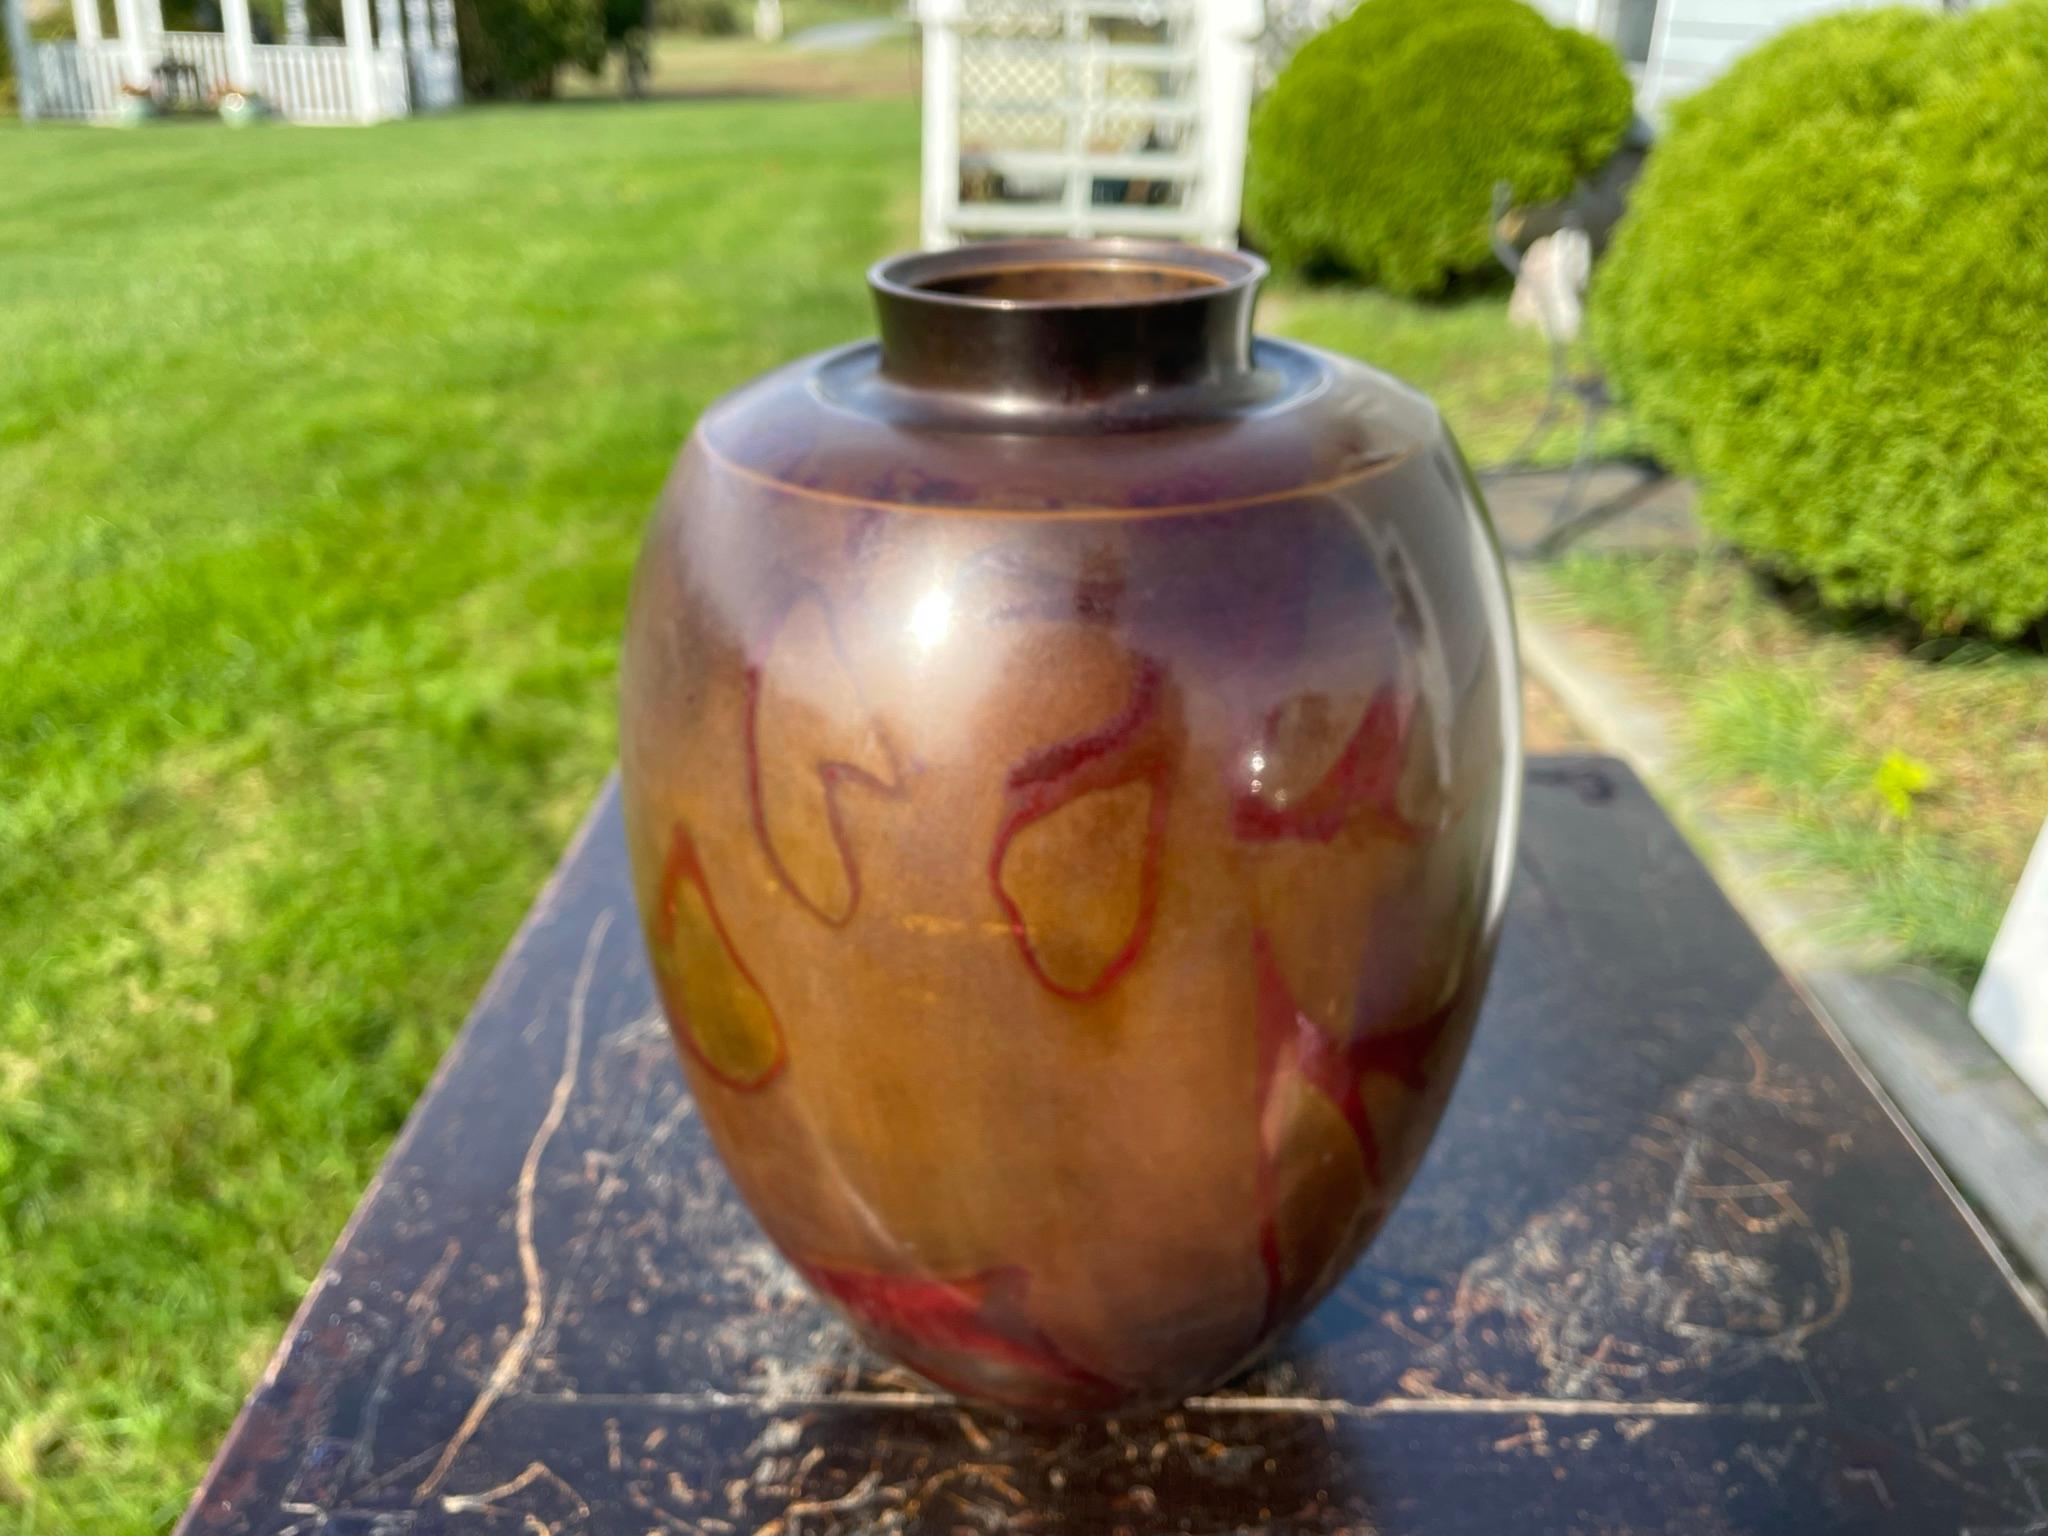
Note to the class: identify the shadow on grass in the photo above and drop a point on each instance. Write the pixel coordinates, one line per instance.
(1899, 633)
(1324, 278)
(672, 94)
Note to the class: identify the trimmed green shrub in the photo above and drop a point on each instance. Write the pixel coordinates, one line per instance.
(1829, 299)
(1377, 150)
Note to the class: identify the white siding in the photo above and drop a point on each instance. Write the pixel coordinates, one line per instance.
(1690, 41)
(1700, 38)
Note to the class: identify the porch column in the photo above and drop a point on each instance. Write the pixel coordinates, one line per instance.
(940, 190)
(296, 32)
(422, 64)
(26, 82)
(234, 21)
(85, 20)
(362, 59)
(390, 29)
(151, 13)
(391, 45)
(1225, 30)
(135, 59)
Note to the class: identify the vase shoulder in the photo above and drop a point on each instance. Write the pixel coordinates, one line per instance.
(832, 427)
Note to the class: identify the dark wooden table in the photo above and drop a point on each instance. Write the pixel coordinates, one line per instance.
(1671, 1266)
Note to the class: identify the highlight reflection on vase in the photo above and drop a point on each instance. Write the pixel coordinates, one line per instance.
(1071, 837)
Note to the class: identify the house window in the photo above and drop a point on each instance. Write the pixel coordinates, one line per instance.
(1628, 24)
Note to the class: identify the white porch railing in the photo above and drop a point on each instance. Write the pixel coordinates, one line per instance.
(203, 55)
(307, 82)
(78, 79)
(304, 82)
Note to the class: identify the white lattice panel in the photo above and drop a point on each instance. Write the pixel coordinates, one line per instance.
(1084, 117)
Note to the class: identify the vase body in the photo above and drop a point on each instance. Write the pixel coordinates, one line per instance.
(1070, 755)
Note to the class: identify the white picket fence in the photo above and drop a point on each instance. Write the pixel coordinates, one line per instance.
(312, 82)
(1085, 117)
(201, 58)
(78, 79)
(436, 78)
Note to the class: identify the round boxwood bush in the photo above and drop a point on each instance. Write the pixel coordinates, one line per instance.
(1829, 299)
(1376, 151)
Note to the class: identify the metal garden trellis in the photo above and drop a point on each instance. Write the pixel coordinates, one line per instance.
(1086, 117)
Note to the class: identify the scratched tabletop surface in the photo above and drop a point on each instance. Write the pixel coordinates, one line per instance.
(1671, 1266)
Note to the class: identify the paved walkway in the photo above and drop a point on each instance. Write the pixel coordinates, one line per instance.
(1547, 726)
(1634, 507)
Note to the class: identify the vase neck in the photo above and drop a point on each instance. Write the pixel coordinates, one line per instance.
(1033, 324)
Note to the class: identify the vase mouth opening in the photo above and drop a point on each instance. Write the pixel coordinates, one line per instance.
(1016, 325)
(1067, 274)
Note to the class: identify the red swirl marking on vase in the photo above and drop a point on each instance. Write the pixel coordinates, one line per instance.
(834, 774)
(1130, 749)
(685, 867)
(1294, 1046)
(982, 1318)
(1366, 774)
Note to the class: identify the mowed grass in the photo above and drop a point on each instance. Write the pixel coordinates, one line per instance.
(323, 460)
(1899, 782)
(1489, 380)
(739, 66)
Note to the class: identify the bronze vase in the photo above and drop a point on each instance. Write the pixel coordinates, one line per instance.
(1071, 753)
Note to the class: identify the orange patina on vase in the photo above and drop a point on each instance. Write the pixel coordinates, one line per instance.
(1070, 754)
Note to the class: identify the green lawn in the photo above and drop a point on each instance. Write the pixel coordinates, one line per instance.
(323, 459)
(1899, 783)
(1488, 380)
(684, 66)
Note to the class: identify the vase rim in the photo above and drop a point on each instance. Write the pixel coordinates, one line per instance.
(1131, 332)
(1182, 273)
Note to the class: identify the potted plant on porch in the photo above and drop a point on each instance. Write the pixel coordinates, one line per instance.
(238, 107)
(138, 104)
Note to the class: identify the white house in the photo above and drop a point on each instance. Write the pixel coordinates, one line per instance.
(1671, 47)
(396, 59)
